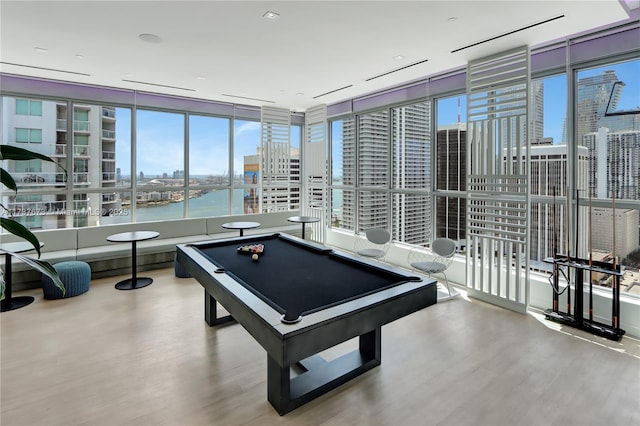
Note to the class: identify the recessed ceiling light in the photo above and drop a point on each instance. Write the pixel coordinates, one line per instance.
(201, 77)
(299, 94)
(79, 56)
(150, 38)
(271, 15)
(453, 18)
(398, 57)
(41, 49)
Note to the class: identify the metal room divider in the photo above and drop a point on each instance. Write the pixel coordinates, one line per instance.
(498, 178)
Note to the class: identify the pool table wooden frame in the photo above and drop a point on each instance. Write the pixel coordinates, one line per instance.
(297, 345)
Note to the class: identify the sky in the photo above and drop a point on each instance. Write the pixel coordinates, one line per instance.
(160, 137)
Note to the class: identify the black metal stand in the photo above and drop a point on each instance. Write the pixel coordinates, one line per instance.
(318, 375)
(9, 303)
(134, 282)
(576, 319)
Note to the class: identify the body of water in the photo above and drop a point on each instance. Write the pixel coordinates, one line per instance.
(214, 203)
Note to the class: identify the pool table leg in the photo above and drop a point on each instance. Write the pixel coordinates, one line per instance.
(286, 394)
(211, 311)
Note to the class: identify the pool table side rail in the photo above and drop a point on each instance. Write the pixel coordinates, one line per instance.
(317, 331)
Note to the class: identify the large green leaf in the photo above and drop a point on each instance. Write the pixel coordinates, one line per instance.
(8, 152)
(19, 230)
(40, 265)
(7, 180)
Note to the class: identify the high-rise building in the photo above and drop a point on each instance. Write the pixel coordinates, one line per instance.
(41, 126)
(537, 92)
(411, 168)
(549, 171)
(625, 226)
(451, 152)
(597, 105)
(614, 163)
(400, 138)
(279, 194)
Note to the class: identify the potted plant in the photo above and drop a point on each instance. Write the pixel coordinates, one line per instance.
(15, 153)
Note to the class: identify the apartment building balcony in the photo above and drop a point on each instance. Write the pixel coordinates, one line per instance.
(80, 151)
(38, 178)
(109, 156)
(109, 198)
(81, 127)
(80, 205)
(108, 177)
(78, 126)
(60, 150)
(26, 208)
(81, 178)
(108, 134)
(108, 114)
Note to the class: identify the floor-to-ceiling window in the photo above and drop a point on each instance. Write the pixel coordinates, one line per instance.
(381, 172)
(411, 177)
(159, 165)
(607, 109)
(343, 173)
(172, 164)
(373, 171)
(450, 168)
(209, 168)
(549, 169)
(246, 167)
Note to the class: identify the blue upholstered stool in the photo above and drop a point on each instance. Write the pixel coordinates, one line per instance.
(179, 270)
(75, 275)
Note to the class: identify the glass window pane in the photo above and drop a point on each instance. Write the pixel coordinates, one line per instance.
(160, 147)
(343, 152)
(451, 163)
(608, 136)
(35, 108)
(372, 210)
(411, 218)
(35, 136)
(246, 165)
(208, 203)
(608, 125)
(22, 106)
(154, 205)
(549, 168)
(237, 201)
(411, 171)
(208, 150)
(116, 146)
(22, 135)
(373, 149)
(411, 144)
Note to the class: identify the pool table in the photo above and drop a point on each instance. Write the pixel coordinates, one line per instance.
(300, 298)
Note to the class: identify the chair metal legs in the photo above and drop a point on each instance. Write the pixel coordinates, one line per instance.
(451, 294)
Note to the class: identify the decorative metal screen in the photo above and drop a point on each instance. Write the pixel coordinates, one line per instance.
(315, 169)
(275, 165)
(497, 178)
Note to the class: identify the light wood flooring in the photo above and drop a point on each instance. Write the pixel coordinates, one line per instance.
(146, 357)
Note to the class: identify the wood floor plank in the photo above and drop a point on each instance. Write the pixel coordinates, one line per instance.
(146, 357)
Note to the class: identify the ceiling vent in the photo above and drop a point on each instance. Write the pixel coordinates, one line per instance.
(509, 33)
(397, 69)
(332, 91)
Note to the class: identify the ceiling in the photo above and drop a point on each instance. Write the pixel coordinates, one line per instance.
(227, 51)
